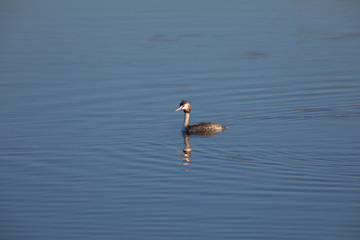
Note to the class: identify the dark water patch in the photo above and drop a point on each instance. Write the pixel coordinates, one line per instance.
(346, 36)
(317, 109)
(294, 116)
(248, 55)
(190, 35)
(161, 38)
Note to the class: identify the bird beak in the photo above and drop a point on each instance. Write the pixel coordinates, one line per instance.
(180, 108)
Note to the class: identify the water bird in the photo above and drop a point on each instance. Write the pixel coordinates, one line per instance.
(203, 128)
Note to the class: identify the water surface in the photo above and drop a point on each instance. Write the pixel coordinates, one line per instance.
(91, 147)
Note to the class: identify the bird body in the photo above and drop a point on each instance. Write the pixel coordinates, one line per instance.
(203, 128)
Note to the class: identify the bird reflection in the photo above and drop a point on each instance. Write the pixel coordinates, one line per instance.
(186, 153)
(187, 149)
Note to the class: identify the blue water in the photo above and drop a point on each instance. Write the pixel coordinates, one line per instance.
(91, 147)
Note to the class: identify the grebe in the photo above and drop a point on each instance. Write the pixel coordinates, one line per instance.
(203, 128)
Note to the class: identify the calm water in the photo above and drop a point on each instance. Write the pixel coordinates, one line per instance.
(91, 147)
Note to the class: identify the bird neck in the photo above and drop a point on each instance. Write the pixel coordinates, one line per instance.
(186, 119)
